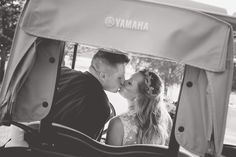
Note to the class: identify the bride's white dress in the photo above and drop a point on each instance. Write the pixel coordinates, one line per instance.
(130, 128)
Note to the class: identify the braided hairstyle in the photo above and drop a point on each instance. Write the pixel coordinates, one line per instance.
(153, 120)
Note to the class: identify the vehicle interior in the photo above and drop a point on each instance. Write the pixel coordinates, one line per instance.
(52, 139)
(188, 59)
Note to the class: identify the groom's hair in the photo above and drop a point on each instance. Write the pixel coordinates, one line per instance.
(111, 57)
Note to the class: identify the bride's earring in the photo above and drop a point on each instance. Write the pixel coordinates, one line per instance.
(134, 99)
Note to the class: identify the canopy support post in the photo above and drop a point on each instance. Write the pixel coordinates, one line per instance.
(173, 144)
(46, 123)
(74, 56)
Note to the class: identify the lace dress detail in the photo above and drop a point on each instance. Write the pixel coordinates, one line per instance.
(130, 128)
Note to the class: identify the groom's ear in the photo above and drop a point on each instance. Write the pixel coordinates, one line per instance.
(102, 76)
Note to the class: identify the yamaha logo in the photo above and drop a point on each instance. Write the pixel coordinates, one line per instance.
(126, 24)
(109, 21)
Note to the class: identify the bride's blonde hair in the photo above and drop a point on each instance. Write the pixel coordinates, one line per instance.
(153, 120)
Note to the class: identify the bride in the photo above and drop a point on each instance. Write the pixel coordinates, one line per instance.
(147, 121)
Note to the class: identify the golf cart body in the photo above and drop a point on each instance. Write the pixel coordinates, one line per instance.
(200, 39)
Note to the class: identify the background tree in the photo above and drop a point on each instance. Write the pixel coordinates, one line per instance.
(234, 76)
(9, 14)
(170, 72)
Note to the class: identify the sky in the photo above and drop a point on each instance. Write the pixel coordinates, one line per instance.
(229, 5)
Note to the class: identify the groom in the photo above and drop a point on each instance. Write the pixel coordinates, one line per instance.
(81, 102)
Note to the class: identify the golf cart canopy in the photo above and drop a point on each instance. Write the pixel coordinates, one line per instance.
(202, 41)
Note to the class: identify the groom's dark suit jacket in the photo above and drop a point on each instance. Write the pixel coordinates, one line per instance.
(81, 102)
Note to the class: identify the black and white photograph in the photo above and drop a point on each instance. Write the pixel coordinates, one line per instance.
(117, 78)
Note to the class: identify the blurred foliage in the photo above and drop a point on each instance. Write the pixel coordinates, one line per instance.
(9, 14)
(170, 72)
(10, 11)
(234, 78)
(234, 74)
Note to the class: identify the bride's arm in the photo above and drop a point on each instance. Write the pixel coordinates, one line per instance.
(115, 132)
